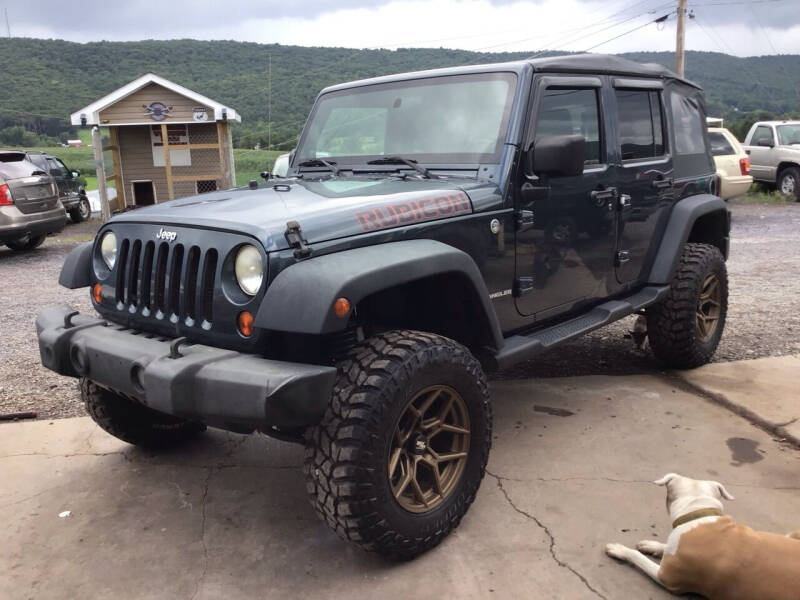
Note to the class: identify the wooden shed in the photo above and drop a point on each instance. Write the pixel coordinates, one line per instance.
(166, 141)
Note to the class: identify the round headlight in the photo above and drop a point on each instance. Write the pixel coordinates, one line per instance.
(249, 269)
(108, 249)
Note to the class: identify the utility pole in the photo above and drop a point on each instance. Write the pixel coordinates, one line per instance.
(8, 26)
(680, 55)
(269, 104)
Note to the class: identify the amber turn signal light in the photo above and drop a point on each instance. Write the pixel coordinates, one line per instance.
(97, 293)
(341, 307)
(245, 323)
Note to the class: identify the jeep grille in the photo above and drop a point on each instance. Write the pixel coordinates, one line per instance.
(167, 280)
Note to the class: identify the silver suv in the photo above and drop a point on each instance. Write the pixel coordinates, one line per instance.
(29, 204)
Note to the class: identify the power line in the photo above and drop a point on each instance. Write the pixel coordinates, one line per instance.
(659, 19)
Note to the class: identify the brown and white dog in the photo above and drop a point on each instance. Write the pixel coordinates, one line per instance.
(707, 553)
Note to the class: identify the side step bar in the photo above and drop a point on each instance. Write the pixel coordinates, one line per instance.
(522, 347)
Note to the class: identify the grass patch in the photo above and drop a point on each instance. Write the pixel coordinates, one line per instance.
(760, 193)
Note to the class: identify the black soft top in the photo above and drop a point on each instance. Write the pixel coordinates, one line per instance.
(602, 64)
(605, 64)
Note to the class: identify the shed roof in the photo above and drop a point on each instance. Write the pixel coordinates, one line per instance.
(92, 111)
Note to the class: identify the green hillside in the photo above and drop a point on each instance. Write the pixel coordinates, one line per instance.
(45, 80)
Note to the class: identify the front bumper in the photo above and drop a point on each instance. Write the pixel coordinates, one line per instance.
(222, 388)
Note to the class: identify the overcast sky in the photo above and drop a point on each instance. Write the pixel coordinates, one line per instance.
(740, 27)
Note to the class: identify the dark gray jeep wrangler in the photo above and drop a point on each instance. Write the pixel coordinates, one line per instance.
(432, 226)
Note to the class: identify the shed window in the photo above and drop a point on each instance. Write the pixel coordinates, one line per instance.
(207, 185)
(641, 124)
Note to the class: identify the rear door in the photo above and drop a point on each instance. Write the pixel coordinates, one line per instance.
(564, 250)
(644, 171)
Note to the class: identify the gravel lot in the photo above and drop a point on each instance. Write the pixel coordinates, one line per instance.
(763, 319)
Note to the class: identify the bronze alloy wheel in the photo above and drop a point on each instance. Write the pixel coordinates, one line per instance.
(429, 448)
(709, 307)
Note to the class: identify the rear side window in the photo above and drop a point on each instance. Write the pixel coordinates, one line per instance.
(762, 133)
(641, 124)
(569, 112)
(719, 144)
(688, 125)
(15, 164)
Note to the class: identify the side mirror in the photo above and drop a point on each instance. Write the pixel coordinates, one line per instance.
(265, 175)
(765, 143)
(557, 156)
(76, 173)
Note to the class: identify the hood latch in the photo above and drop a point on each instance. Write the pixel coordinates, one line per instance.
(294, 237)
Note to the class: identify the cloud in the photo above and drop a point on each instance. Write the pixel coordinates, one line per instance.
(482, 25)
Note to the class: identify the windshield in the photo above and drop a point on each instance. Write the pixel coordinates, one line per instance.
(457, 119)
(789, 134)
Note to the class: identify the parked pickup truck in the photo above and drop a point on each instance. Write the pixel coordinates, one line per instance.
(774, 149)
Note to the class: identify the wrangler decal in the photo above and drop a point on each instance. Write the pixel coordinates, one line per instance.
(413, 211)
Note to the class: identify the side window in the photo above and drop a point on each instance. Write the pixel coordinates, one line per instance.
(40, 162)
(640, 123)
(719, 145)
(762, 132)
(569, 112)
(688, 125)
(56, 168)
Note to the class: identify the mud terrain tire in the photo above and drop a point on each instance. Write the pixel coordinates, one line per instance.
(681, 334)
(348, 463)
(134, 423)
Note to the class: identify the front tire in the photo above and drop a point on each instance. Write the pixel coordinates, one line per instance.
(81, 212)
(789, 182)
(402, 448)
(133, 422)
(685, 328)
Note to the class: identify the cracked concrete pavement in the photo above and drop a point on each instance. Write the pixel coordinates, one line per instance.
(571, 469)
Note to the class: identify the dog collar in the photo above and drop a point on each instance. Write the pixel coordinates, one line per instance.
(696, 514)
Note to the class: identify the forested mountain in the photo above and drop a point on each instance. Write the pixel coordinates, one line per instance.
(45, 80)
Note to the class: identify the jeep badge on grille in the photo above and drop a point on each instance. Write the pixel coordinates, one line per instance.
(163, 234)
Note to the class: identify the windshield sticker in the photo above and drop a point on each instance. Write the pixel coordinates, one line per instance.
(414, 211)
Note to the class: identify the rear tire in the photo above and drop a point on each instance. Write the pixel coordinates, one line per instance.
(685, 328)
(26, 243)
(369, 463)
(133, 422)
(788, 182)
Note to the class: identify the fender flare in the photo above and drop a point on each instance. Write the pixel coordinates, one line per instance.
(76, 269)
(679, 226)
(300, 299)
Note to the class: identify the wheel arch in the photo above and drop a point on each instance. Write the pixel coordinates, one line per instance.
(376, 278)
(702, 219)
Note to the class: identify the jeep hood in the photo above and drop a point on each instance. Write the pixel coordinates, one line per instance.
(325, 209)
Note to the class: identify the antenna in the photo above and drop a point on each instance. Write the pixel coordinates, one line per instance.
(8, 27)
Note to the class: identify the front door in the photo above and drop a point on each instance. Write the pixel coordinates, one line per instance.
(763, 158)
(565, 256)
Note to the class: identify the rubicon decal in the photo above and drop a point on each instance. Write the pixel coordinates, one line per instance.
(407, 212)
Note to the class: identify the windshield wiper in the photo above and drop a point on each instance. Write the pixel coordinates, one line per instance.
(399, 160)
(320, 162)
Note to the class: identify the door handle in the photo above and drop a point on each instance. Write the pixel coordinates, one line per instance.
(600, 197)
(661, 184)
